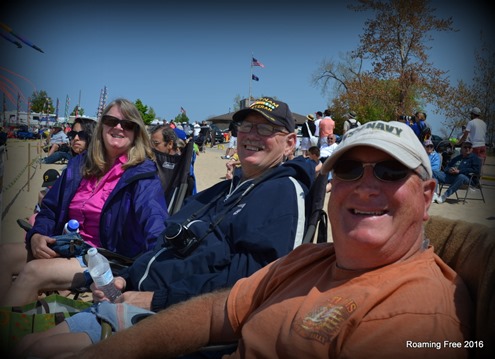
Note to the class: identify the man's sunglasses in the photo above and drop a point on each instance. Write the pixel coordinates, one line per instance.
(114, 121)
(388, 171)
(83, 135)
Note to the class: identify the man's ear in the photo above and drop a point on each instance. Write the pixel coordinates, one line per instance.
(428, 191)
(291, 141)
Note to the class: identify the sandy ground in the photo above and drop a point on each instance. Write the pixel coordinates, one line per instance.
(22, 178)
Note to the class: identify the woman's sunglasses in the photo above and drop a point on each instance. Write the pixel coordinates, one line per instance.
(388, 171)
(114, 121)
(83, 135)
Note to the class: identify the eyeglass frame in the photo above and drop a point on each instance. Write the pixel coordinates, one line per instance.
(407, 171)
(126, 125)
(273, 129)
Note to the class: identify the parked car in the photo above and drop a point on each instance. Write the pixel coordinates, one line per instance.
(219, 138)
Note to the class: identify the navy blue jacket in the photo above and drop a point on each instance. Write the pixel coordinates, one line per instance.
(132, 217)
(267, 223)
(466, 165)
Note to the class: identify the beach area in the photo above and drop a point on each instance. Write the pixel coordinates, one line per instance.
(22, 179)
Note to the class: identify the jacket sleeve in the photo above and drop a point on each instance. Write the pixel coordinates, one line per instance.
(436, 163)
(150, 210)
(474, 166)
(250, 237)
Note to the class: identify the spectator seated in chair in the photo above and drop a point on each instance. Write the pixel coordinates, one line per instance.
(115, 184)
(79, 139)
(458, 171)
(58, 140)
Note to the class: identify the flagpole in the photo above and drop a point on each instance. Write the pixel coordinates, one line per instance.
(250, 78)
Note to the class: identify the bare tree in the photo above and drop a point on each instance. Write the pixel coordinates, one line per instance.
(395, 43)
(481, 93)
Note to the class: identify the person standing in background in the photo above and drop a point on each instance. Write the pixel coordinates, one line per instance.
(327, 125)
(475, 132)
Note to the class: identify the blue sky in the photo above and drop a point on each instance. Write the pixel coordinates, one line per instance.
(196, 54)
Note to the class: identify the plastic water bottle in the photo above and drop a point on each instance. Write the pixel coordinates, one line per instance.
(72, 226)
(100, 271)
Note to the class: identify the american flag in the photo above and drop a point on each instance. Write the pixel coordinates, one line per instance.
(182, 110)
(255, 78)
(256, 63)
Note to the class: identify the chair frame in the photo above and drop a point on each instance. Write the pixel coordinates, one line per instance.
(473, 178)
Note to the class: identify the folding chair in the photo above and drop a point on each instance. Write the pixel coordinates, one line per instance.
(174, 172)
(473, 185)
(316, 217)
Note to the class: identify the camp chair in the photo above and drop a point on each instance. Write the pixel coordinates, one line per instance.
(316, 217)
(174, 173)
(469, 249)
(473, 185)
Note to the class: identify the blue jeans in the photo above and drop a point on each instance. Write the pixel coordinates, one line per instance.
(57, 156)
(455, 181)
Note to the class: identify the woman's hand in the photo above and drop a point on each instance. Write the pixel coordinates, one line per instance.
(40, 248)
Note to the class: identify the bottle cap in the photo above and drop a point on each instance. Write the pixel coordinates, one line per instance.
(73, 225)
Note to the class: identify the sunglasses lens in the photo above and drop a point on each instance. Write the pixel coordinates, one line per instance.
(83, 136)
(390, 171)
(128, 125)
(348, 170)
(113, 121)
(110, 121)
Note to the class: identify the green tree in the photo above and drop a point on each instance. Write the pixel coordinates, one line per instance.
(77, 109)
(181, 118)
(41, 102)
(147, 115)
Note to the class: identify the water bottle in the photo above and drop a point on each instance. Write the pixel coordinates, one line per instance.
(72, 226)
(100, 271)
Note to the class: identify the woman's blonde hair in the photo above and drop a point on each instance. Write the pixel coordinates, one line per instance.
(97, 162)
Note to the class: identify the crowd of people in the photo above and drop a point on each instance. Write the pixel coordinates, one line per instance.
(230, 264)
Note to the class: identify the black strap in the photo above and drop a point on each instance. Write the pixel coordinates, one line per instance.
(222, 215)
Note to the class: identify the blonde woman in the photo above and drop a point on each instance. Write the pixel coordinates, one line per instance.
(115, 194)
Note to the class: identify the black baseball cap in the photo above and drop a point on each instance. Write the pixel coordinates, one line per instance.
(277, 112)
(50, 177)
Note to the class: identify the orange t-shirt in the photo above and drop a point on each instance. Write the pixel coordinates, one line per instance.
(303, 306)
